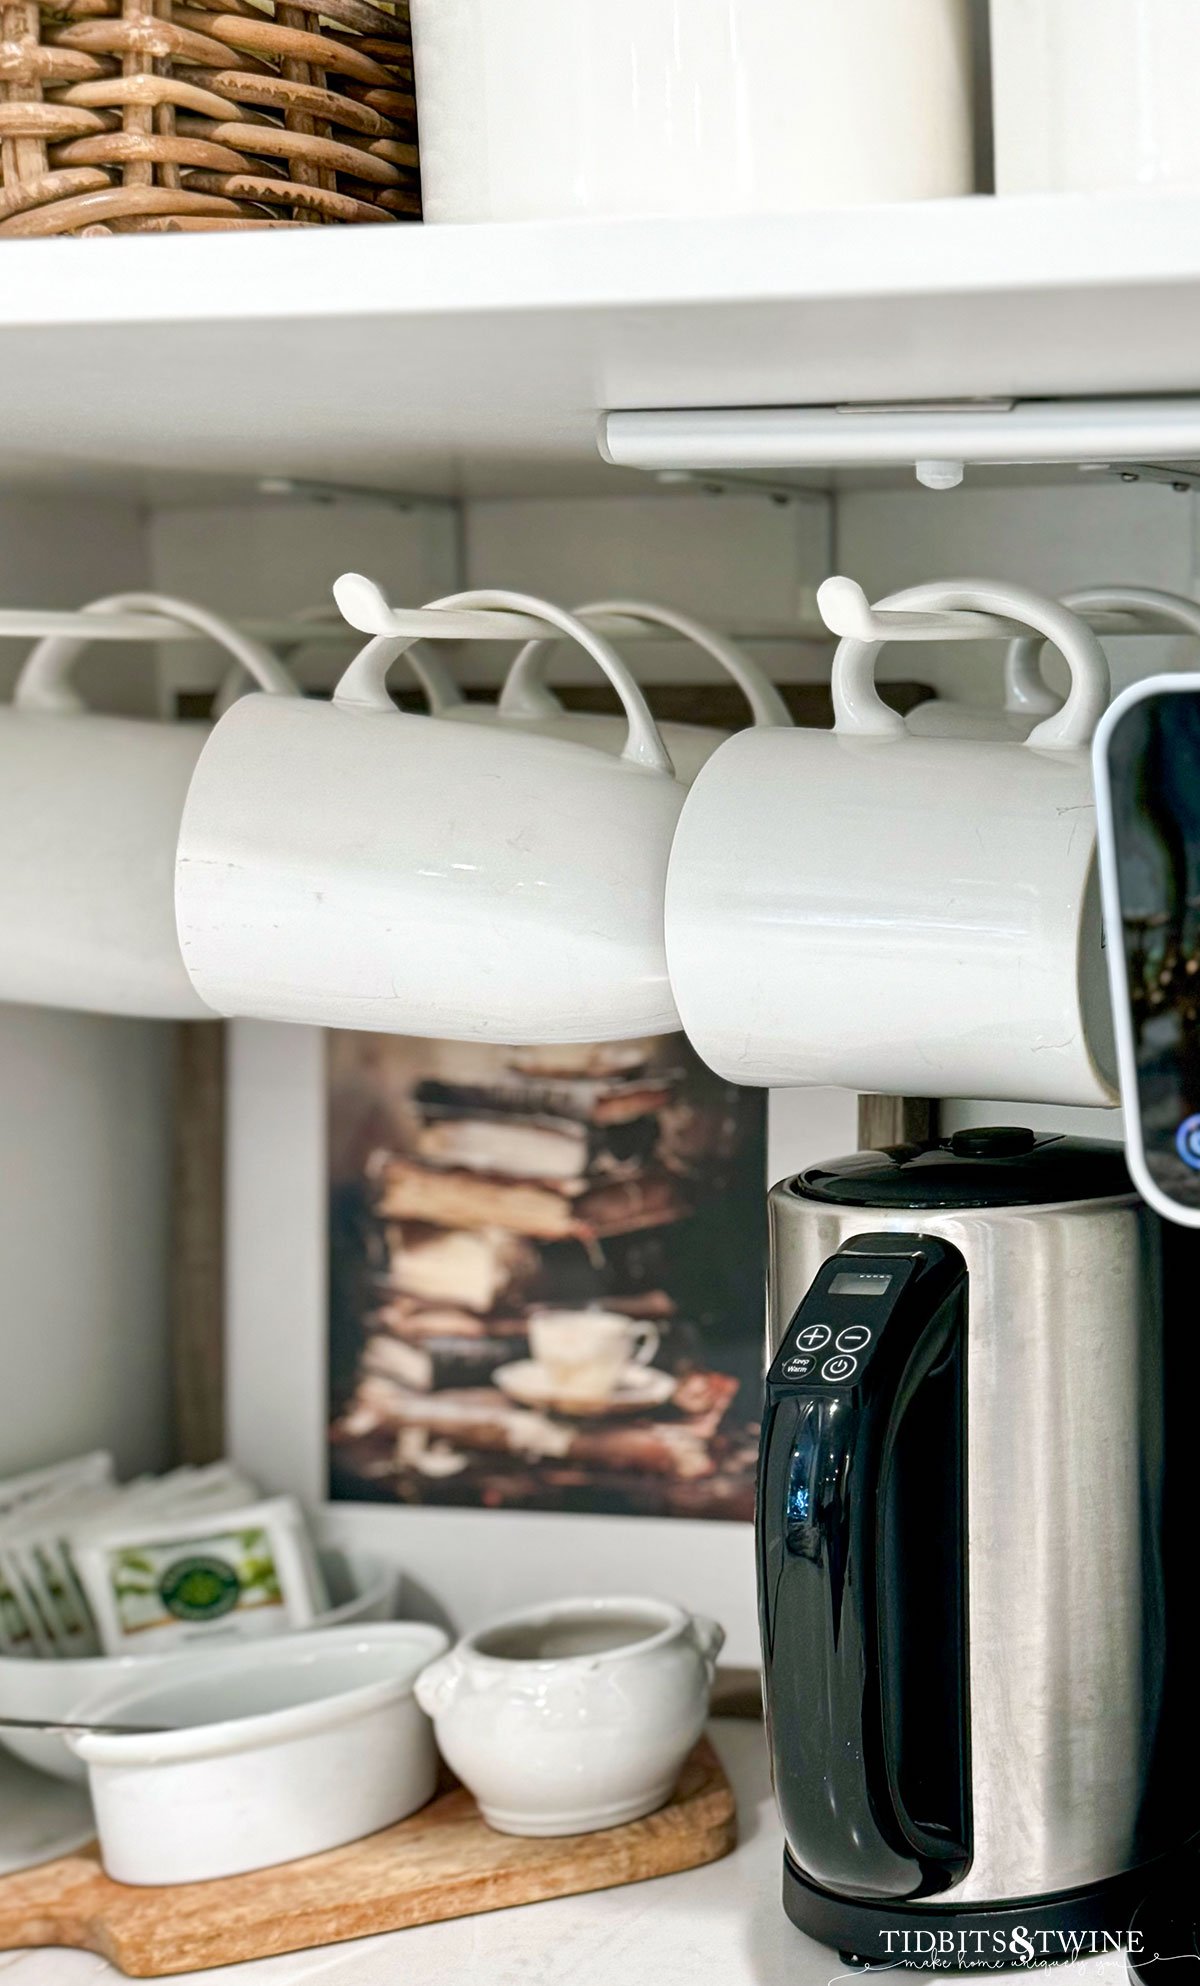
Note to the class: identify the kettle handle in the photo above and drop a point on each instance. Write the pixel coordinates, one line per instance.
(862, 1693)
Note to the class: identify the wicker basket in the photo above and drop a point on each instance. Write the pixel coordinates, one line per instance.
(151, 116)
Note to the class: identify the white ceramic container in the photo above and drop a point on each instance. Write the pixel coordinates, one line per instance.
(1095, 95)
(287, 1748)
(89, 817)
(880, 912)
(362, 1589)
(540, 109)
(350, 865)
(567, 1718)
(528, 702)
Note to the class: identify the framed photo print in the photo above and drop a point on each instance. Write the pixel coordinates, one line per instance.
(501, 1312)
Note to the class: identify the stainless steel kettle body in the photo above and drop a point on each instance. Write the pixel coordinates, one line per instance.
(960, 1543)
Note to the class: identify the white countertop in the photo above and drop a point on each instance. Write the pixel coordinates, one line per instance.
(719, 1926)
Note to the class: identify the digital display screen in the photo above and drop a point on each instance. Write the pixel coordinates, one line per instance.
(856, 1282)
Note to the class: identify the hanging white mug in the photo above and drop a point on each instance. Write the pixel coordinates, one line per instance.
(90, 816)
(528, 702)
(352, 865)
(880, 912)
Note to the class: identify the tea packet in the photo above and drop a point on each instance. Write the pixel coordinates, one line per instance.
(168, 1579)
(44, 1609)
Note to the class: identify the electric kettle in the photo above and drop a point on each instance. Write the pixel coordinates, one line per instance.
(964, 1595)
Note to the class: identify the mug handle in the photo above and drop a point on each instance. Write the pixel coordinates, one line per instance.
(373, 663)
(649, 1341)
(1025, 689)
(526, 693)
(43, 684)
(442, 693)
(859, 710)
(364, 685)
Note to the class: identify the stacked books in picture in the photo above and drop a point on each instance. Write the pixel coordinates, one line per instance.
(508, 1198)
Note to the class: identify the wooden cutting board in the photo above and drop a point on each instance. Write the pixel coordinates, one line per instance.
(443, 1862)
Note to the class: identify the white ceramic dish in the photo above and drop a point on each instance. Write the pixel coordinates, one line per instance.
(1089, 98)
(637, 1389)
(40, 1818)
(286, 1748)
(568, 1718)
(540, 109)
(362, 1588)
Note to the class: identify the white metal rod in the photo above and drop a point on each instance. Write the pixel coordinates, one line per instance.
(848, 612)
(617, 627)
(29, 623)
(775, 438)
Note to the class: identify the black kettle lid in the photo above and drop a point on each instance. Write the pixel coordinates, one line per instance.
(997, 1165)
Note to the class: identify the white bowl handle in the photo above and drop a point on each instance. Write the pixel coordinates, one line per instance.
(364, 685)
(526, 693)
(709, 1638)
(859, 710)
(437, 1686)
(43, 684)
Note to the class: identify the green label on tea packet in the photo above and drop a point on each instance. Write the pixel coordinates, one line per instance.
(194, 1580)
(199, 1589)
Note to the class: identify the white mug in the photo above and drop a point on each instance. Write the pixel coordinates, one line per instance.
(91, 810)
(585, 1352)
(527, 700)
(351, 865)
(879, 912)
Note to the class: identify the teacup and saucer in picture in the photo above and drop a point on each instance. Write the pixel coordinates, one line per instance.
(588, 1363)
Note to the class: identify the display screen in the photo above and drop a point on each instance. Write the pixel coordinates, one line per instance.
(856, 1282)
(1151, 765)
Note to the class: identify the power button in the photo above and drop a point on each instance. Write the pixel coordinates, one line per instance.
(840, 1367)
(1187, 1142)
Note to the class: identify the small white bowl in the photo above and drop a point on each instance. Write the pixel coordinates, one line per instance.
(361, 1588)
(567, 1718)
(286, 1747)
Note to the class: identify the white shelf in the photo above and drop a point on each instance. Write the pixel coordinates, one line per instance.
(479, 358)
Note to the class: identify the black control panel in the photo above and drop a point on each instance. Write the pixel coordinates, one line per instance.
(862, 1571)
(838, 1327)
